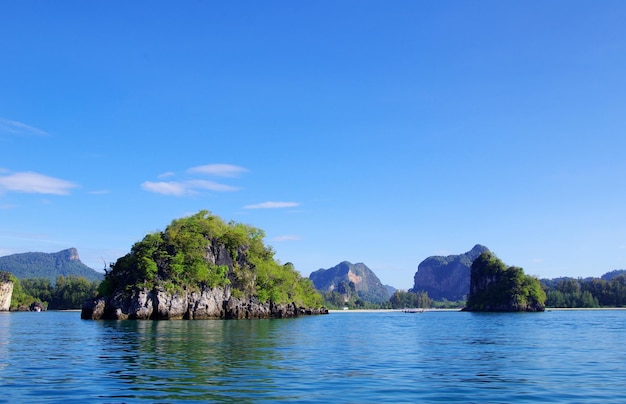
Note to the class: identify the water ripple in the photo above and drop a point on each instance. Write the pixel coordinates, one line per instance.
(344, 358)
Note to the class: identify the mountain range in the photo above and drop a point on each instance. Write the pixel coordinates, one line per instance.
(48, 265)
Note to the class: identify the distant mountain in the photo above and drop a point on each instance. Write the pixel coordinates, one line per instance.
(347, 278)
(48, 265)
(446, 277)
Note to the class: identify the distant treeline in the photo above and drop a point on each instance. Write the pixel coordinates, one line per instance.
(399, 300)
(608, 291)
(68, 292)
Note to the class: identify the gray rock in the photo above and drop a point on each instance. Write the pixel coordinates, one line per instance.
(215, 303)
(6, 292)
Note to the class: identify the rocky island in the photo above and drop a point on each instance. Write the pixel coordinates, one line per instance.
(202, 268)
(6, 291)
(496, 287)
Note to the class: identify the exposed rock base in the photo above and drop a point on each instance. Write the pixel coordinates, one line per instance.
(157, 304)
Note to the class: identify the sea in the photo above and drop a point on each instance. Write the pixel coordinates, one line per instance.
(573, 356)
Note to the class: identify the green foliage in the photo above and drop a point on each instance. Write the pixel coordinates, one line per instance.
(66, 293)
(608, 291)
(20, 300)
(446, 304)
(494, 287)
(404, 300)
(204, 250)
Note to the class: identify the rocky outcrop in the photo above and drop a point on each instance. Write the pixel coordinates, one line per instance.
(215, 303)
(495, 287)
(6, 292)
(347, 278)
(446, 277)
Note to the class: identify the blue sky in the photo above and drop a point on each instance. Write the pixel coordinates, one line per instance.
(368, 131)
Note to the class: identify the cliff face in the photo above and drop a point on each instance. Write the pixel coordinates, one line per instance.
(205, 304)
(6, 292)
(446, 277)
(340, 277)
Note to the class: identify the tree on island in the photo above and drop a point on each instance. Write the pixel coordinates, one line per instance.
(494, 287)
(201, 267)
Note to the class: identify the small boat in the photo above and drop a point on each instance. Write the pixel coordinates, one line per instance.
(413, 310)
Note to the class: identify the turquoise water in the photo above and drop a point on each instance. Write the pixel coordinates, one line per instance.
(558, 356)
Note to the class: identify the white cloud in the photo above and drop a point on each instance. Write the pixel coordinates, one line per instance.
(19, 128)
(272, 205)
(165, 188)
(99, 192)
(218, 170)
(209, 185)
(7, 206)
(185, 188)
(192, 186)
(286, 238)
(166, 175)
(35, 183)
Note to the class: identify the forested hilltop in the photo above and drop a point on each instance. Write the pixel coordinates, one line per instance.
(202, 267)
(48, 265)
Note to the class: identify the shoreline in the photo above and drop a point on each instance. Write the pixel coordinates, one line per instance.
(459, 310)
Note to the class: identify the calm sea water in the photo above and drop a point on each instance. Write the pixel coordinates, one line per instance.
(558, 356)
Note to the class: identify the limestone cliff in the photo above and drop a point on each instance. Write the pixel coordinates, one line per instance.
(347, 278)
(6, 292)
(446, 277)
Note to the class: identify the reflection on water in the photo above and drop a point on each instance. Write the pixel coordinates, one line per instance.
(345, 357)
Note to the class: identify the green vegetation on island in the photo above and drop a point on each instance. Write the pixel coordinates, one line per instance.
(201, 251)
(496, 287)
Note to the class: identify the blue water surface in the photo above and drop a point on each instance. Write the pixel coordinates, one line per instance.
(558, 356)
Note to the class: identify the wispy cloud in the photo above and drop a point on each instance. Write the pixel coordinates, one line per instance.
(272, 205)
(193, 186)
(35, 183)
(99, 192)
(286, 238)
(166, 175)
(210, 186)
(218, 170)
(185, 188)
(7, 206)
(19, 128)
(165, 188)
